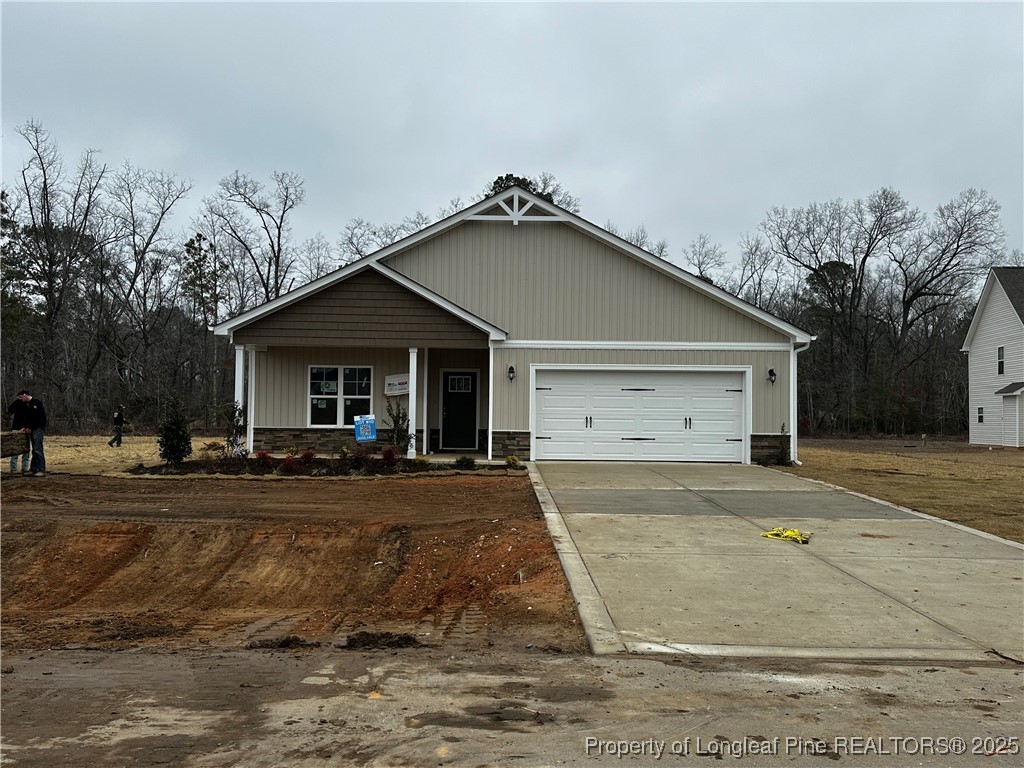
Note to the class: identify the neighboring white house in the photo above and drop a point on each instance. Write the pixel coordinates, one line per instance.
(995, 361)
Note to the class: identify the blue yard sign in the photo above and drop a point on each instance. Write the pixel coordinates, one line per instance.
(366, 429)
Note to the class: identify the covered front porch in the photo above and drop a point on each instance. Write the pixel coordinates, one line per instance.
(317, 392)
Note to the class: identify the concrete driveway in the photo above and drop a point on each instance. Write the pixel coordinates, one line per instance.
(669, 558)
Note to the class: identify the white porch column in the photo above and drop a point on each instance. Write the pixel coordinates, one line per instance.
(250, 405)
(490, 400)
(413, 374)
(426, 406)
(239, 375)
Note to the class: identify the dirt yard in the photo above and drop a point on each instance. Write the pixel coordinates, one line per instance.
(976, 487)
(108, 560)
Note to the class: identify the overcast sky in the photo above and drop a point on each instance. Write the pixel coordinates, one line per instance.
(686, 117)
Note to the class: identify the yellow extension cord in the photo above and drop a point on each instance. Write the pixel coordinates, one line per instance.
(787, 534)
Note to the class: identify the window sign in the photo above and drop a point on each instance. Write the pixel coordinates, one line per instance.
(366, 428)
(398, 384)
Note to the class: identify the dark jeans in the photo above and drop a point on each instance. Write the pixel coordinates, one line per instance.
(115, 441)
(38, 458)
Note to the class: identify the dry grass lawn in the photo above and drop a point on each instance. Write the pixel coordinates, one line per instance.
(972, 486)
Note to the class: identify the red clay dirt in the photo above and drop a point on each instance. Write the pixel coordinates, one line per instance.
(112, 561)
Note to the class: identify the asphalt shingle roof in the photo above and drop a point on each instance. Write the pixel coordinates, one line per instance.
(1012, 280)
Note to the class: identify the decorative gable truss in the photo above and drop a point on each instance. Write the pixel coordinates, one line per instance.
(515, 207)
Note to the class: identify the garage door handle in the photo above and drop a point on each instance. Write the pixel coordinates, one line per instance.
(637, 439)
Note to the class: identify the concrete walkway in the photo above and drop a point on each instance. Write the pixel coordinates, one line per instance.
(669, 558)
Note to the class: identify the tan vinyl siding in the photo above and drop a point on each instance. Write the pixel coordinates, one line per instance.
(551, 281)
(770, 402)
(367, 310)
(282, 379)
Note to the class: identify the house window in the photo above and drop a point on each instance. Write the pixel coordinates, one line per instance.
(1000, 360)
(981, 415)
(329, 407)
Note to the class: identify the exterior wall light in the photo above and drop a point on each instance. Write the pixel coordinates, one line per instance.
(771, 375)
(511, 373)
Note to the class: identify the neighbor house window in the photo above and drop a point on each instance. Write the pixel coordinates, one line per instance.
(981, 415)
(337, 395)
(1000, 360)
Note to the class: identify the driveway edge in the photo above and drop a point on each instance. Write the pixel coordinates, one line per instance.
(597, 622)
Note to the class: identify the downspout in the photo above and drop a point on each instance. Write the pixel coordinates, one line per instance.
(797, 349)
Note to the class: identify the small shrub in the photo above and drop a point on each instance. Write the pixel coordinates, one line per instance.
(173, 434)
(465, 462)
(358, 458)
(421, 463)
(398, 421)
(389, 456)
(264, 459)
(289, 465)
(513, 462)
(307, 456)
(235, 437)
(213, 450)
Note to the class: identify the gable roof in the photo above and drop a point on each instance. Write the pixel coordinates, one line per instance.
(1011, 280)
(493, 332)
(514, 205)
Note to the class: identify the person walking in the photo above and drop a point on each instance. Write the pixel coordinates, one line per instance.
(115, 441)
(19, 421)
(35, 427)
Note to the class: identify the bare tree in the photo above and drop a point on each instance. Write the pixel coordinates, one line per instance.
(706, 257)
(259, 221)
(316, 258)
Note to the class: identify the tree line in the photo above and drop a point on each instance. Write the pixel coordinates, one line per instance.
(104, 301)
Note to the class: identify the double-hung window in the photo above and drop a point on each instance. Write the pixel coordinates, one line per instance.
(1001, 360)
(338, 394)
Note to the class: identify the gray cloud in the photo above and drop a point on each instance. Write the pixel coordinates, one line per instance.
(686, 117)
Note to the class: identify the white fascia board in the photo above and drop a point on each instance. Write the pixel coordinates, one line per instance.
(225, 328)
(978, 310)
(684, 346)
(494, 333)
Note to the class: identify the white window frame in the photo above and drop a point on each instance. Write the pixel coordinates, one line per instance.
(340, 397)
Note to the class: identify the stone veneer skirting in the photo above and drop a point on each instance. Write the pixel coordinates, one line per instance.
(326, 442)
(764, 449)
(770, 449)
(511, 444)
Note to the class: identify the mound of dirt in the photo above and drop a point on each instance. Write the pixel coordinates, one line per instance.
(114, 561)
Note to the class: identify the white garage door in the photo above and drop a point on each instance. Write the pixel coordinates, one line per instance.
(624, 415)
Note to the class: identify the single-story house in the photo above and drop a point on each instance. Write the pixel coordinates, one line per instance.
(515, 327)
(995, 361)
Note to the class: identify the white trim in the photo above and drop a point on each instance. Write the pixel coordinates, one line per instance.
(440, 409)
(746, 370)
(793, 400)
(239, 375)
(426, 403)
(410, 448)
(492, 331)
(684, 346)
(250, 406)
(490, 400)
(559, 214)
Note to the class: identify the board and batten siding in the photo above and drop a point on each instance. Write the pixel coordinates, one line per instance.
(770, 402)
(282, 379)
(551, 281)
(998, 326)
(366, 310)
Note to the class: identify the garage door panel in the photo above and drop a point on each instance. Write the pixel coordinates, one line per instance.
(600, 414)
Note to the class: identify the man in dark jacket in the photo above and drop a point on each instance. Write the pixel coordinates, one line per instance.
(35, 427)
(115, 441)
(19, 420)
